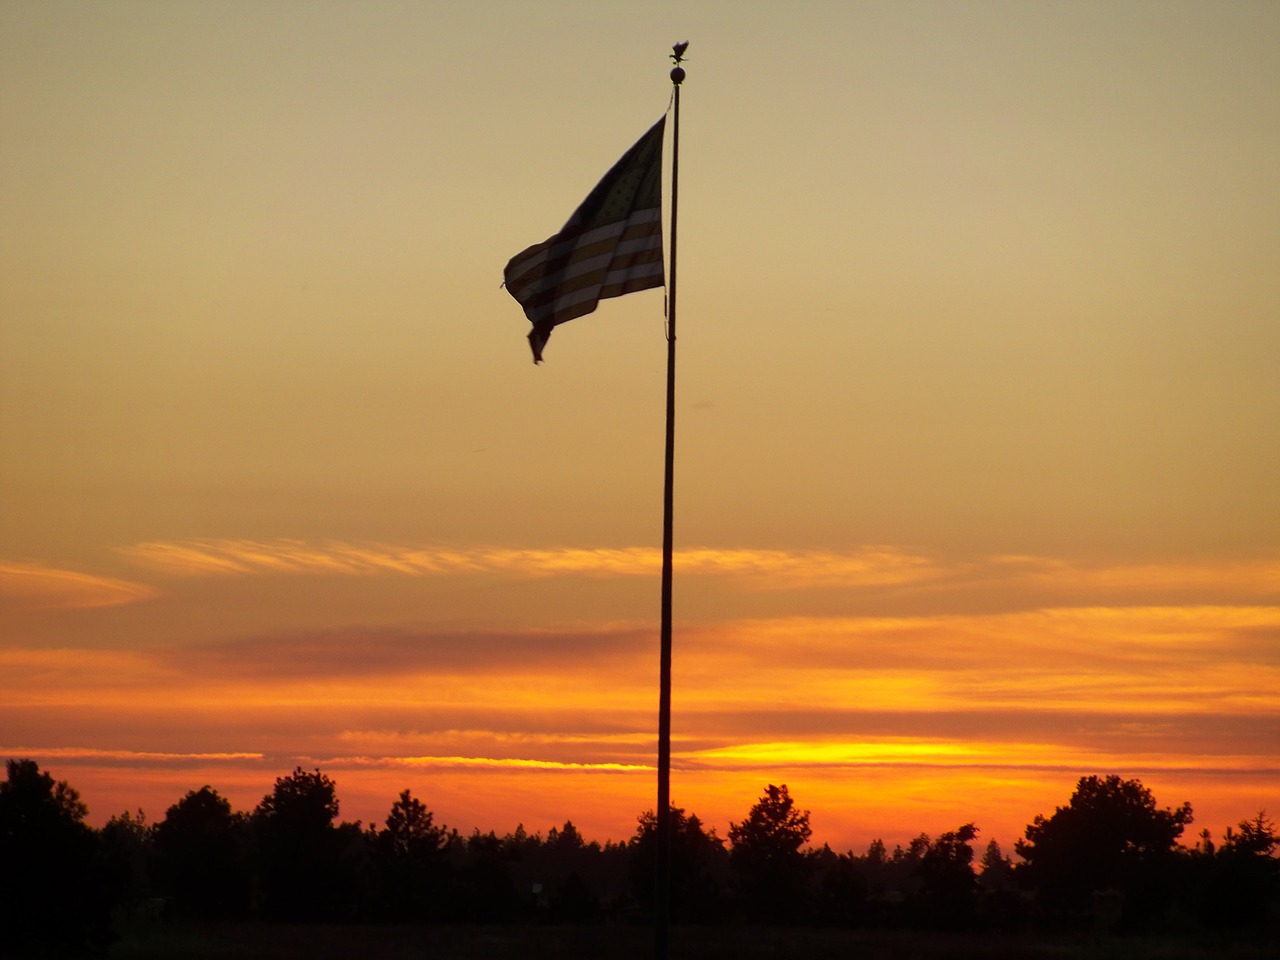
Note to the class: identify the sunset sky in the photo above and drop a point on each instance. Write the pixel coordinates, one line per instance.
(978, 418)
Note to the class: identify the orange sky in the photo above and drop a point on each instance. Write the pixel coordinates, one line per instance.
(976, 428)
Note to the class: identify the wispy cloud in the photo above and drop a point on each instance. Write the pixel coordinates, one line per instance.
(33, 586)
(33, 675)
(501, 763)
(1149, 659)
(94, 755)
(1249, 577)
(1043, 639)
(779, 568)
(758, 569)
(1177, 661)
(1024, 671)
(1151, 678)
(352, 653)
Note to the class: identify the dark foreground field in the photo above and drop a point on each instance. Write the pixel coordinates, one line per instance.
(163, 941)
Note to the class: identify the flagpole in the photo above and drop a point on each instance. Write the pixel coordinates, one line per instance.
(662, 905)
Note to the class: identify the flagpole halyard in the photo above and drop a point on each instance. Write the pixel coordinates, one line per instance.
(662, 903)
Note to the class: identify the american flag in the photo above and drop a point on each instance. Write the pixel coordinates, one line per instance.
(610, 246)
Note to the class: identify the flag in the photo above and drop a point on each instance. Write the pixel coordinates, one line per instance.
(610, 246)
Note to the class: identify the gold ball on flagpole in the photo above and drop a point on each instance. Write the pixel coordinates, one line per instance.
(677, 76)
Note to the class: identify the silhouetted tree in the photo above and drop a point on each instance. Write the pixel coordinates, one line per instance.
(128, 851)
(1110, 837)
(202, 857)
(1111, 856)
(947, 882)
(572, 900)
(559, 877)
(570, 868)
(566, 837)
(1236, 884)
(882, 875)
(52, 891)
(486, 889)
(840, 885)
(766, 855)
(997, 869)
(413, 861)
(1000, 901)
(698, 866)
(300, 849)
(355, 882)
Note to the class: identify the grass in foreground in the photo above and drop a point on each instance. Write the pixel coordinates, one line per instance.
(260, 941)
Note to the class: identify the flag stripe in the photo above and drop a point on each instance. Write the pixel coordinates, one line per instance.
(582, 282)
(637, 250)
(602, 286)
(640, 223)
(610, 246)
(568, 259)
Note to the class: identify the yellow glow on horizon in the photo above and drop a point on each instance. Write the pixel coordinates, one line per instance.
(1007, 755)
(898, 749)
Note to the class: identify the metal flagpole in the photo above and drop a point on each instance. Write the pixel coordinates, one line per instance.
(662, 904)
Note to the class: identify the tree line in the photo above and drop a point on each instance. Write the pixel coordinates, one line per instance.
(1111, 859)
